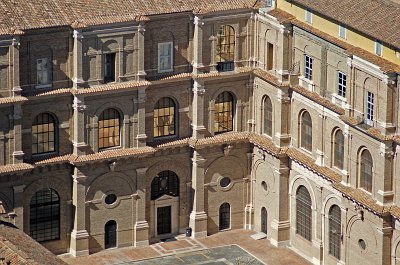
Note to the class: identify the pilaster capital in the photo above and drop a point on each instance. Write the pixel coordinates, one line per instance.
(198, 21)
(141, 27)
(198, 88)
(77, 35)
(19, 188)
(141, 171)
(15, 41)
(79, 105)
(78, 176)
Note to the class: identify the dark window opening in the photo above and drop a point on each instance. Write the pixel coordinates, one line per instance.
(109, 67)
(166, 182)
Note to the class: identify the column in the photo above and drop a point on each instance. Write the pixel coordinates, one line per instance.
(213, 63)
(198, 110)
(78, 56)
(198, 45)
(141, 117)
(280, 226)
(79, 144)
(250, 186)
(79, 237)
(141, 225)
(198, 217)
(16, 88)
(18, 154)
(18, 211)
(238, 116)
(282, 118)
(141, 74)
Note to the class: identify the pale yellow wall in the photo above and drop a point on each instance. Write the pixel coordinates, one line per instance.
(332, 28)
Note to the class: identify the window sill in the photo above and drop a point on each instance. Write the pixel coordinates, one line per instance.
(167, 71)
(308, 152)
(109, 148)
(306, 83)
(39, 155)
(44, 86)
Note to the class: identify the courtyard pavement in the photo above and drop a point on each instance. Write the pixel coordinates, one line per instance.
(229, 247)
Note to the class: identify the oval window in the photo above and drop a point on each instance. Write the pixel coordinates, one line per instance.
(110, 198)
(225, 182)
(264, 185)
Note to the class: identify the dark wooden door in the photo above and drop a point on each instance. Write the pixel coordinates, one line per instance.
(164, 220)
(264, 220)
(110, 235)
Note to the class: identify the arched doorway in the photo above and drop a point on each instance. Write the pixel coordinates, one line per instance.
(110, 234)
(165, 204)
(264, 226)
(224, 216)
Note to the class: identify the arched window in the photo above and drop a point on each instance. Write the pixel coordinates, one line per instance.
(267, 107)
(306, 131)
(224, 216)
(335, 228)
(223, 115)
(43, 134)
(166, 182)
(110, 234)
(225, 48)
(164, 118)
(45, 215)
(303, 213)
(366, 171)
(338, 149)
(109, 129)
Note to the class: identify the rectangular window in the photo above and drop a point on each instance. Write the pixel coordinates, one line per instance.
(342, 80)
(370, 108)
(308, 67)
(378, 47)
(342, 31)
(44, 71)
(309, 16)
(109, 68)
(165, 57)
(270, 56)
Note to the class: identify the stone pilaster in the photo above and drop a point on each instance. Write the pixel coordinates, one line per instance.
(280, 226)
(141, 117)
(16, 87)
(79, 143)
(141, 225)
(79, 237)
(18, 211)
(250, 186)
(198, 110)
(141, 74)
(77, 60)
(198, 45)
(282, 119)
(18, 154)
(198, 217)
(213, 63)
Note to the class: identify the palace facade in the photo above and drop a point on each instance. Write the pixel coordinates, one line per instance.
(125, 122)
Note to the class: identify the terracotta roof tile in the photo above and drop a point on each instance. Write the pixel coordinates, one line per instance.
(25, 14)
(110, 87)
(18, 248)
(264, 143)
(176, 143)
(267, 76)
(319, 99)
(223, 138)
(280, 15)
(309, 162)
(379, 19)
(10, 100)
(111, 154)
(15, 168)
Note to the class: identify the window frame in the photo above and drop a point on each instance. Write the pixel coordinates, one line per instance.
(369, 111)
(161, 56)
(48, 72)
(172, 185)
(342, 84)
(225, 47)
(306, 135)
(110, 65)
(308, 16)
(342, 31)
(335, 238)
(267, 116)
(338, 148)
(163, 109)
(366, 179)
(308, 67)
(101, 136)
(44, 134)
(229, 114)
(42, 208)
(224, 216)
(303, 213)
(378, 47)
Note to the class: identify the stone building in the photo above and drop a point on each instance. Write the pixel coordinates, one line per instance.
(125, 122)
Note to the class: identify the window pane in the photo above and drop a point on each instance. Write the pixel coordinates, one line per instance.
(43, 133)
(109, 128)
(303, 213)
(223, 115)
(164, 118)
